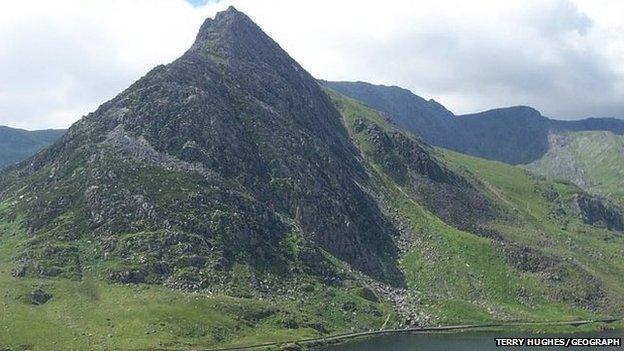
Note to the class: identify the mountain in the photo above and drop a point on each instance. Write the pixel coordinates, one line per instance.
(594, 160)
(516, 135)
(226, 199)
(232, 142)
(18, 144)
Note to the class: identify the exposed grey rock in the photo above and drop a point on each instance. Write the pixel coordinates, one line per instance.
(599, 211)
(39, 296)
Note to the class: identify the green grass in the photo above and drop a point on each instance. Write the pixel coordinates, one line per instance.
(463, 278)
(92, 314)
(596, 250)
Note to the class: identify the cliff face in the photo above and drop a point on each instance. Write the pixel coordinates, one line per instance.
(597, 211)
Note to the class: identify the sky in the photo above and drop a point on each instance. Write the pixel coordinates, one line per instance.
(61, 59)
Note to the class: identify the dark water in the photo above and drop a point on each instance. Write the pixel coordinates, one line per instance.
(480, 341)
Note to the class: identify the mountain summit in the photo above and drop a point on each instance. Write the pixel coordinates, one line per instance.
(230, 155)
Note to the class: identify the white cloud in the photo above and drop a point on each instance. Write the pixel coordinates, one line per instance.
(60, 59)
(556, 55)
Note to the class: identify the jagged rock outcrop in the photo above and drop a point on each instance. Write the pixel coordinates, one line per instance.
(411, 162)
(598, 211)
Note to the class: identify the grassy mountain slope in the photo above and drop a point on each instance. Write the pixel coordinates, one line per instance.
(426, 118)
(18, 144)
(538, 260)
(93, 314)
(593, 160)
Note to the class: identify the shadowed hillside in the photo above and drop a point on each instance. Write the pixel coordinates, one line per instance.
(18, 144)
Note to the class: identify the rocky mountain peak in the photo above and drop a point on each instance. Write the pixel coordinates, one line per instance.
(233, 36)
(234, 142)
(228, 22)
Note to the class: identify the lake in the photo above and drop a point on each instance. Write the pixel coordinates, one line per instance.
(482, 341)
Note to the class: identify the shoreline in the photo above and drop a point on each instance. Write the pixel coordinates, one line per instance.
(315, 342)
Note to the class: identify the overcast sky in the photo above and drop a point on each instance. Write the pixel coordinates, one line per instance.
(61, 59)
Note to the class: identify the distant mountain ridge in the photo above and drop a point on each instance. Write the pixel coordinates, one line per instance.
(515, 135)
(18, 144)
